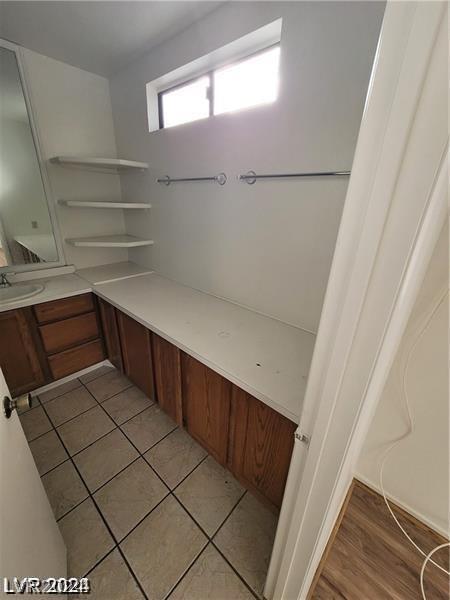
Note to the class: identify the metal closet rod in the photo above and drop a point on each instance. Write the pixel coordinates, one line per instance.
(251, 177)
(221, 179)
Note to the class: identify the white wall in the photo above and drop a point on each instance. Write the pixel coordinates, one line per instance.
(73, 115)
(267, 246)
(417, 472)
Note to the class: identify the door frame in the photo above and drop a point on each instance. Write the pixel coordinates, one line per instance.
(372, 268)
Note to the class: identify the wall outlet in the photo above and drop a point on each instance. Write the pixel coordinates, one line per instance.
(34, 224)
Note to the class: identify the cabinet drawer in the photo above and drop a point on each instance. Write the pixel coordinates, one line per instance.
(70, 332)
(64, 308)
(75, 359)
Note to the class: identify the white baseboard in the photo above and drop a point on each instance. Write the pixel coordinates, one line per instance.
(416, 514)
(54, 384)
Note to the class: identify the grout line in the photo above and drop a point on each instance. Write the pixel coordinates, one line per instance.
(109, 397)
(38, 436)
(186, 571)
(210, 539)
(91, 497)
(235, 571)
(59, 395)
(186, 476)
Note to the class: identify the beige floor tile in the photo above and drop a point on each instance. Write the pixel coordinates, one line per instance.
(211, 578)
(132, 494)
(96, 373)
(104, 459)
(64, 488)
(59, 391)
(162, 547)
(209, 494)
(69, 405)
(85, 429)
(126, 404)
(48, 452)
(86, 538)
(112, 580)
(246, 539)
(148, 428)
(175, 456)
(108, 385)
(35, 422)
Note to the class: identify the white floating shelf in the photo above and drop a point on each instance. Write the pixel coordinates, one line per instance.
(115, 164)
(100, 204)
(109, 241)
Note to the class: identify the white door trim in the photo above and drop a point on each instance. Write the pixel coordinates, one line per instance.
(385, 240)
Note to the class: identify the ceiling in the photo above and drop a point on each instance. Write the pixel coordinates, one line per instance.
(101, 37)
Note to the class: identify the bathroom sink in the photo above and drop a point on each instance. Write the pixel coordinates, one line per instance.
(19, 292)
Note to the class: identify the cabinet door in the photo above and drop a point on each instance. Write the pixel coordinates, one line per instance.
(136, 353)
(111, 333)
(167, 372)
(261, 443)
(206, 406)
(20, 357)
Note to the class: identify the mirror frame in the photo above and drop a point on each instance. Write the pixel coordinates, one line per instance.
(61, 260)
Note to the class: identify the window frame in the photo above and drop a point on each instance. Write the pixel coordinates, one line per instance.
(210, 75)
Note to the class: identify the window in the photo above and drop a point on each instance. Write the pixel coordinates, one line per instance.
(243, 84)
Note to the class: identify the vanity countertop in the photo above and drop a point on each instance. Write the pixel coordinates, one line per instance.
(265, 357)
(61, 286)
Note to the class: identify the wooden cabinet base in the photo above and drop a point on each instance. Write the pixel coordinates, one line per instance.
(206, 406)
(20, 359)
(111, 333)
(167, 373)
(260, 448)
(136, 353)
(75, 359)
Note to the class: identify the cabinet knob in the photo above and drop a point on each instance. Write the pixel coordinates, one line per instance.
(23, 401)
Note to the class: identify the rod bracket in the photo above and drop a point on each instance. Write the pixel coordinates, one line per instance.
(302, 437)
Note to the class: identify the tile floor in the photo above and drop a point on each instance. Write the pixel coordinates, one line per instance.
(145, 512)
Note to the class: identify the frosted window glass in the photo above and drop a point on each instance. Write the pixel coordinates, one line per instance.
(187, 103)
(247, 83)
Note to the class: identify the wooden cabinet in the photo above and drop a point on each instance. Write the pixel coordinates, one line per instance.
(261, 443)
(56, 310)
(111, 333)
(136, 353)
(76, 358)
(206, 406)
(167, 374)
(49, 341)
(70, 334)
(20, 359)
(61, 335)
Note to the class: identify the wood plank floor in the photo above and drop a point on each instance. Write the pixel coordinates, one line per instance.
(369, 558)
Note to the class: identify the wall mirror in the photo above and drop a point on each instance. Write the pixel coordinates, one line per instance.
(27, 231)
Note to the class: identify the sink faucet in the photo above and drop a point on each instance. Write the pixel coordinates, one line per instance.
(4, 283)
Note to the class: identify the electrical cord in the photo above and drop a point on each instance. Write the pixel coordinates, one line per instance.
(397, 441)
(425, 562)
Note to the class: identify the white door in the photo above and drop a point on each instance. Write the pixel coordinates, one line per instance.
(30, 542)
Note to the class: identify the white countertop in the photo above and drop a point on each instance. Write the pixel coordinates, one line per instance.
(263, 356)
(61, 286)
